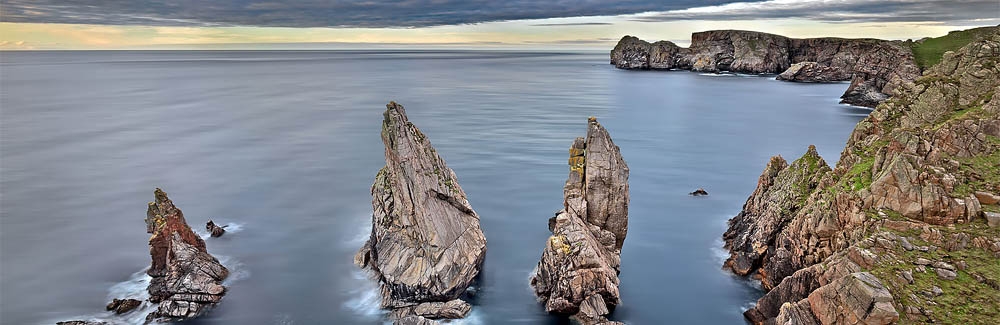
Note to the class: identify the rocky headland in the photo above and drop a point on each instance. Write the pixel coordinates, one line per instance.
(186, 279)
(578, 271)
(426, 246)
(901, 229)
(875, 68)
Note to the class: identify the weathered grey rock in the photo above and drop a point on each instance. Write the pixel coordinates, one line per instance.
(121, 306)
(426, 245)
(415, 320)
(859, 298)
(946, 274)
(813, 72)
(578, 271)
(992, 219)
(186, 280)
(796, 314)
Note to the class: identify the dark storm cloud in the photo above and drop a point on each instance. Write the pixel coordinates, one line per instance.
(950, 11)
(318, 13)
(419, 13)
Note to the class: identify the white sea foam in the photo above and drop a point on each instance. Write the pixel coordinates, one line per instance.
(231, 228)
(366, 301)
(135, 288)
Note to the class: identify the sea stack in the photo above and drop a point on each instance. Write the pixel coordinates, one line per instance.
(187, 280)
(578, 271)
(426, 246)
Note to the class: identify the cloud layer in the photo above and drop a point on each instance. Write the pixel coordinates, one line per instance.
(319, 13)
(942, 11)
(422, 13)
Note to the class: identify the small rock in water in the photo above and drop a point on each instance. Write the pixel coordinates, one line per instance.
(215, 229)
(81, 322)
(121, 306)
(699, 192)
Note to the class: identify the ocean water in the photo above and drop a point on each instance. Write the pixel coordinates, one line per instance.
(284, 146)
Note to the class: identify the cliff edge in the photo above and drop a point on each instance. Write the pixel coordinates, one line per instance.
(905, 228)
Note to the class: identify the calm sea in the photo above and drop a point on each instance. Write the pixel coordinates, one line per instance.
(283, 146)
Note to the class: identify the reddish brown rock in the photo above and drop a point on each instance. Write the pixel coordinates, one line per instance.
(186, 279)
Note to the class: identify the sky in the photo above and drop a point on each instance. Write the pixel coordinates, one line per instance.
(597, 24)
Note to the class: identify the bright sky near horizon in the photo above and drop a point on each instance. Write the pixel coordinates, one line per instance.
(307, 24)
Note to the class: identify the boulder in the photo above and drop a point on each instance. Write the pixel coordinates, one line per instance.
(214, 229)
(186, 280)
(987, 198)
(426, 245)
(992, 219)
(121, 306)
(699, 192)
(578, 271)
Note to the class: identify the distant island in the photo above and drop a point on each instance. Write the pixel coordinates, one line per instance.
(875, 68)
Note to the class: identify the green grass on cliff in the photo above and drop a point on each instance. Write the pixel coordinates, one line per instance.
(965, 300)
(930, 51)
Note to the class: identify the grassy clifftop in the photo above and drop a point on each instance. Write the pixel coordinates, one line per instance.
(929, 51)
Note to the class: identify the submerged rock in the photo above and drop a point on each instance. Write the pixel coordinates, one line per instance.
(578, 271)
(699, 192)
(121, 306)
(214, 229)
(186, 279)
(426, 246)
(81, 322)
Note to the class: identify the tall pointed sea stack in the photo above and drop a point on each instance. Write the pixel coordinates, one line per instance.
(187, 280)
(426, 246)
(578, 272)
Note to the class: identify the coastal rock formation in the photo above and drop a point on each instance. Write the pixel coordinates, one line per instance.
(426, 246)
(578, 271)
(889, 234)
(186, 279)
(874, 67)
(813, 72)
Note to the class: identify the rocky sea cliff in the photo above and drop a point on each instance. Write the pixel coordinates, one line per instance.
(875, 68)
(905, 228)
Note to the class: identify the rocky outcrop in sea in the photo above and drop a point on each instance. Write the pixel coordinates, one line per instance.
(578, 271)
(875, 68)
(426, 247)
(898, 230)
(186, 279)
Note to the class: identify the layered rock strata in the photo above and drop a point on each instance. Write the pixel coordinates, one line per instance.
(426, 246)
(578, 271)
(897, 232)
(186, 279)
(874, 67)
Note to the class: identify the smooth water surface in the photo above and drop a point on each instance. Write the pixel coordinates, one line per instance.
(284, 147)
